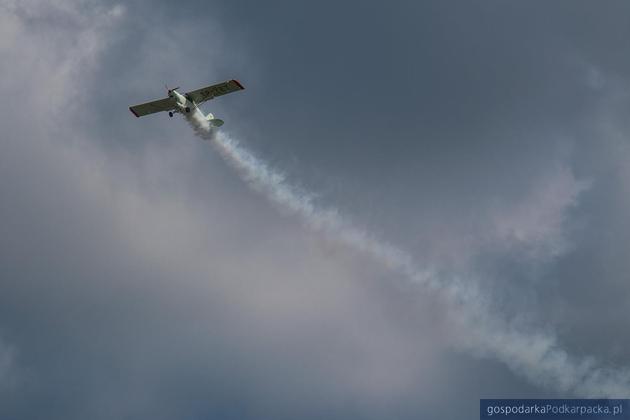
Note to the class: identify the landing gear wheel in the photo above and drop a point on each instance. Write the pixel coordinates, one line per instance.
(170, 114)
(187, 109)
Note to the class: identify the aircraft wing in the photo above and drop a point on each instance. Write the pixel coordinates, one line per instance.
(152, 107)
(209, 92)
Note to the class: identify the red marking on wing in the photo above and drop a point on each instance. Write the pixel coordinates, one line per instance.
(238, 83)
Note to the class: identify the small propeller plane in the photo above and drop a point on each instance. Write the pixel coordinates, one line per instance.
(188, 102)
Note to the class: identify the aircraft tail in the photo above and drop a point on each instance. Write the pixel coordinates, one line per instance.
(214, 122)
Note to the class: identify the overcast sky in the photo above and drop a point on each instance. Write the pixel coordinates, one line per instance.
(141, 278)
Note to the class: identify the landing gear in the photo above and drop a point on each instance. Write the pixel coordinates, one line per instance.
(187, 109)
(170, 114)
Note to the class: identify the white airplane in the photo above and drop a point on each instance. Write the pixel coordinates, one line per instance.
(188, 102)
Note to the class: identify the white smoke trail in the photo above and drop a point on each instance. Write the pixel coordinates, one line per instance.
(535, 355)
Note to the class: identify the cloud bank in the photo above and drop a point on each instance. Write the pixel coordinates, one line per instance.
(142, 279)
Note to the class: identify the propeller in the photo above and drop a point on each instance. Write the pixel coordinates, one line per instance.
(170, 90)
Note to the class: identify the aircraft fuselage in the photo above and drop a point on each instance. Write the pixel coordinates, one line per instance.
(182, 103)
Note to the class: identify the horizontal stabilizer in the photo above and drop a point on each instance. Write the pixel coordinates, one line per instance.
(215, 122)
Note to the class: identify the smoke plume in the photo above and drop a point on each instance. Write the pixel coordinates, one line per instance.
(535, 355)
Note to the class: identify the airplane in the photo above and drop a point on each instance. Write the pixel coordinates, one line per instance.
(188, 102)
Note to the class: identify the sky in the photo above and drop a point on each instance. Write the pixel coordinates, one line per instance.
(479, 145)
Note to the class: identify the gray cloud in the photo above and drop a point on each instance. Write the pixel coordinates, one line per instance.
(136, 264)
(8, 367)
(106, 258)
